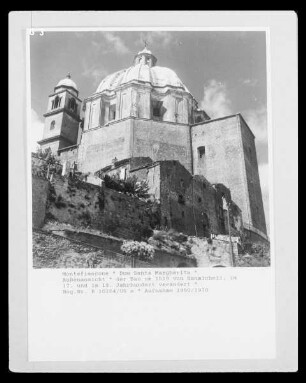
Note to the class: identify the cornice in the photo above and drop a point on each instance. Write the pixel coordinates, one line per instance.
(139, 84)
(63, 91)
(54, 138)
(63, 110)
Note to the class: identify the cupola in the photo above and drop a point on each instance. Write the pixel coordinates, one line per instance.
(145, 57)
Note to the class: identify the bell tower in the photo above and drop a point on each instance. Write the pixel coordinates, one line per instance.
(62, 119)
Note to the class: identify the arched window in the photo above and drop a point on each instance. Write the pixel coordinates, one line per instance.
(72, 105)
(157, 110)
(201, 152)
(52, 125)
(57, 102)
(112, 112)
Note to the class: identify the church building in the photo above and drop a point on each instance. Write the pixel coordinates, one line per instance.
(146, 111)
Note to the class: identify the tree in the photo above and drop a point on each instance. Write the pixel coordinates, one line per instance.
(48, 156)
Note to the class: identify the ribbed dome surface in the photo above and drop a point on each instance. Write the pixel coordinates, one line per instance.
(156, 76)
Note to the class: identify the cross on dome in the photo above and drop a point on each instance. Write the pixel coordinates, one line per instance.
(145, 49)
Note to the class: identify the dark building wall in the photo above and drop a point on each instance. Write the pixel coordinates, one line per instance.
(224, 141)
(188, 204)
(252, 176)
(60, 124)
(70, 128)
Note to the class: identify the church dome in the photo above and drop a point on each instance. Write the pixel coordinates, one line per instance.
(67, 82)
(143, 71)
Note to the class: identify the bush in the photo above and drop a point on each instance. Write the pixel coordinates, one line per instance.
(171, 235)
(258, 249)
(159, 235)
(129, 186)
(50, 216)
(141, 250)
(85, 216)
(59, 203)
(178, 237)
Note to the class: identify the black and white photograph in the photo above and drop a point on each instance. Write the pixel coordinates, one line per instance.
(153, 191)
(149, 149)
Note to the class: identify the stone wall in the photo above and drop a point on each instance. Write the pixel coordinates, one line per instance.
(77, 249)
(213, 253)
(134, 137)
(54, 144)
(124, 168)
(81, 203)
(162, 141)
(69, 154)
(109, 244)
(75, 253)
(99, 146)
(40, 191)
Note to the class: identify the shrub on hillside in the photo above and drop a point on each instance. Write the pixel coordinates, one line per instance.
(141, 250)
(129, 186)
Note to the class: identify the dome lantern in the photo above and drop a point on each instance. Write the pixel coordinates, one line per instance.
(145, 57)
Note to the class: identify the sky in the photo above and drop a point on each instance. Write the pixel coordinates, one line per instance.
(225, 71)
